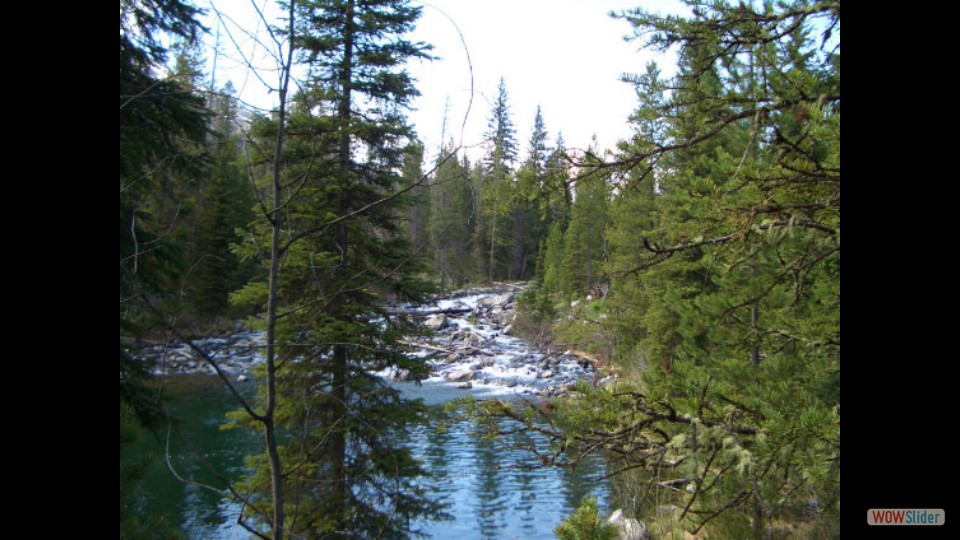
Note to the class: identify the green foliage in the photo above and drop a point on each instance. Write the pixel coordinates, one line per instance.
(452, 204)
(501, 134)
(585, 523)
(583, 241)
(224, 211)
(161, 126)
(343, 255)
(723, 255)
(419, 207)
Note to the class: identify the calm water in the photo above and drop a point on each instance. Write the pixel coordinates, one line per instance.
(488, 495)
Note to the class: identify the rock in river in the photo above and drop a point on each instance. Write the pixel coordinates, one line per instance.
(460, 376)
(436, 322)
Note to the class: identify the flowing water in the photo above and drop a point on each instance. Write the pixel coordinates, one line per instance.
(489, 492)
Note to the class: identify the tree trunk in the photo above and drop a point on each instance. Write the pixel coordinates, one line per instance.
(276, 472)
(340, 368)
(519, 253)
(493, 243)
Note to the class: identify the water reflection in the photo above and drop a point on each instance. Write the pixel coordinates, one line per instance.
(489, 486)
(488, 495)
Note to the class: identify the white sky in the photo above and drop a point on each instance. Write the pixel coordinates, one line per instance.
(564, 55)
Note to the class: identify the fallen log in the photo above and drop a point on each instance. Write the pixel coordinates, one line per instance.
(429, 347)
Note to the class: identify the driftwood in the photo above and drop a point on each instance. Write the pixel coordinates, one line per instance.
(675, 484)
(429, 347)
(459, 348)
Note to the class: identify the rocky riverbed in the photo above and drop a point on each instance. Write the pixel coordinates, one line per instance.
(470, 348)
(235, 354)
(473, 348)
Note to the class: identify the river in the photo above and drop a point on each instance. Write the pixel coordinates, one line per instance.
(487, 494)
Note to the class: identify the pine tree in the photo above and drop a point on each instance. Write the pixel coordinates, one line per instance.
(419, 208)
(451, 220)
(557, 183)
(498, 181)
(553, 259)
(224, 207)
(501, 135)
(583, 241)
(528, 202)
(343, 256)
(730, 265)
(725, 261)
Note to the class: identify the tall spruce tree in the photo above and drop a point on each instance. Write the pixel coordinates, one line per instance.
(453, 203)
(344, 255)
(583, 241)
(224, 206)
(498, 180)
(528, 201)
(419, 207)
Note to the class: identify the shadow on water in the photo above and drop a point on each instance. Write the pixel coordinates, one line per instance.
(200, 403)
(486, 493)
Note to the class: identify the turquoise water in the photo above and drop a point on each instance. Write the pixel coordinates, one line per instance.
(488, 494)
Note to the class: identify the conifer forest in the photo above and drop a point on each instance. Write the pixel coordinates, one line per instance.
(660, 316)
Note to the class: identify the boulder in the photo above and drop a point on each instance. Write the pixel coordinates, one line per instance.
(459, 376)
(465, 386)
(436, 322)
(630, 529)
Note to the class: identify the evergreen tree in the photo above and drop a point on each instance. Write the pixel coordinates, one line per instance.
(157, 117)
(498, 181)
(343, 256)
(583, 241)
(557, 197)
(529, 195)
(725, 259)
(501, 136)
(419, 207)
(224, 207)
(733, 278)
(451, 220)
(480, 230)
(552, 259)
(585, 523)
(538, 153)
